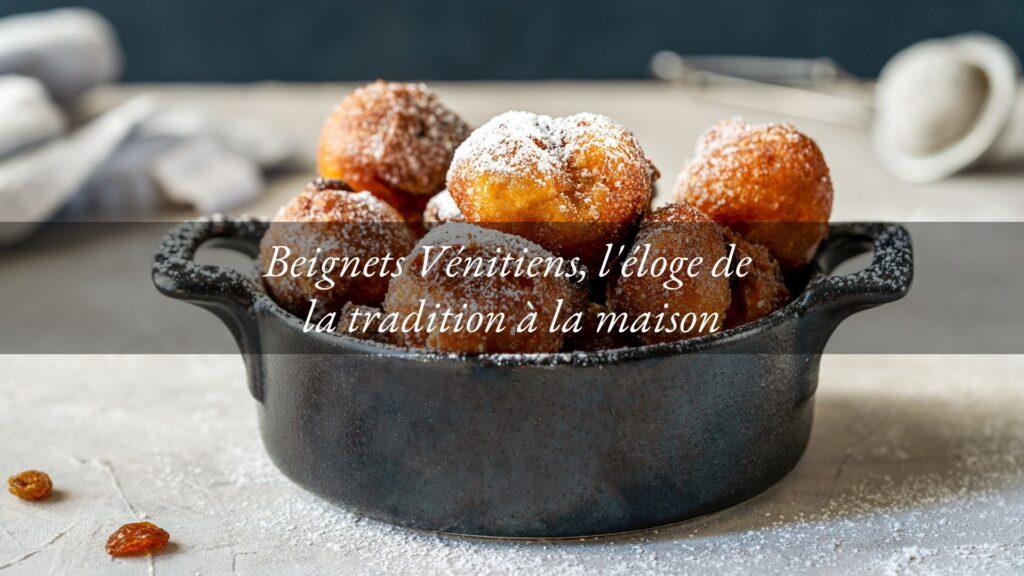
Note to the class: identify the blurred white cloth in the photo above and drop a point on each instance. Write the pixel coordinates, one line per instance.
(27, 115)
(128, 161)
(206, 175)
(35, 184)
(69, 50)
(184, 158)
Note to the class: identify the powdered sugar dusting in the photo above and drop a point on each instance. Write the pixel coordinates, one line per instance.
(442, 208)
(514, 143)
(583, 167)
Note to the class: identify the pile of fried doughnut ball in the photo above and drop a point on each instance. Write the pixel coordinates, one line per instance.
(398, 170)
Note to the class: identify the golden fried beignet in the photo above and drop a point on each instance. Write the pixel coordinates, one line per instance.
(676, 231)
(390, 139)
(492, 294)
(769, 182)
(341, 224)
(581, 181)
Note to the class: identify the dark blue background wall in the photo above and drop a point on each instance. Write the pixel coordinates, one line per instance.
(207, 40)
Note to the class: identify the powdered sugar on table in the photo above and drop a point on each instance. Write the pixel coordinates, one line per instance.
(914, 467)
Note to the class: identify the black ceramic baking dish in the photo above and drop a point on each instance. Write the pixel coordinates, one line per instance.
(538, 445)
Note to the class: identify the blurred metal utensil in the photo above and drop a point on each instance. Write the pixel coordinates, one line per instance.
(669, 65)
(784, 85)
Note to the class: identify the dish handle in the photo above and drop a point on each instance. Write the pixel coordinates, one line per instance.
(225, 292)
(886, 279)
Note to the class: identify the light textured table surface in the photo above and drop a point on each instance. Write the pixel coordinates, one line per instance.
(915, 464)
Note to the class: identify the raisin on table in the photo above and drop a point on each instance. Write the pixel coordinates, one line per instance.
(137, 538)
(30, 485)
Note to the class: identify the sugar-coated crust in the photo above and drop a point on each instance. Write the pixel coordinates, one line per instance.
(581, 169)
(342, 224)
(761, 179)
(489, 294)
(388, 137)
(675, 231)
(440, 209)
